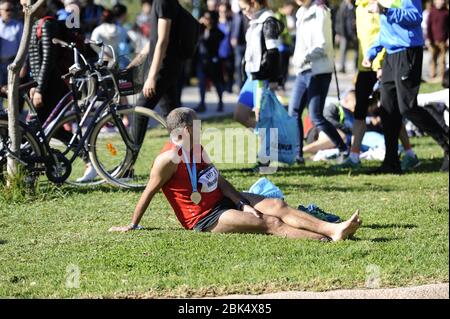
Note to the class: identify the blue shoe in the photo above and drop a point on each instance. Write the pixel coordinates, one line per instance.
(318, 213)
(409, 162)
(347, 164)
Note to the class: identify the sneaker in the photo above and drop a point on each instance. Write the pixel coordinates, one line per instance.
(409, 162)
(347, 164)
(89, 174)
(318, 213)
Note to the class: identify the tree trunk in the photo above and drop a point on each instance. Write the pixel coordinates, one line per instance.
(13, 83)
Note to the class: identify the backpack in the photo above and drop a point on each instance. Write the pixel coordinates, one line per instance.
(188, 34)
(66, 59)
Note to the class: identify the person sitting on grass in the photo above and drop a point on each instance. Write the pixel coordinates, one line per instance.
(207, 202)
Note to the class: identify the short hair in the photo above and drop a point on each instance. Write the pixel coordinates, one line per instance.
(119, 10)
(180, 118)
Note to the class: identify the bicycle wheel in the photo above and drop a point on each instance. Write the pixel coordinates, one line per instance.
(114, 159)
(30, 151)
(59, 137)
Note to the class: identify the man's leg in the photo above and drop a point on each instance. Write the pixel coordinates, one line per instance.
(234, 221)
(343, 53)
(363, 88)
(322, 143)
(441, 60)
(434, 55)
(390, 116)
(301, 220)
(408, 90)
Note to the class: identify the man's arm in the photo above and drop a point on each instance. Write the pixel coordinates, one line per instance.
(162, 171)
(230, 192)
(140, 58)
(408, 16)
(164, 27)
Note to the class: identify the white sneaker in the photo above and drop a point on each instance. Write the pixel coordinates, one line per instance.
(89, 174)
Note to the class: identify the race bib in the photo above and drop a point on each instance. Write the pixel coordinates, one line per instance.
(209, 179)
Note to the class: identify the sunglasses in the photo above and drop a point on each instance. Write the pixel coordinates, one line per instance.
(7, 10)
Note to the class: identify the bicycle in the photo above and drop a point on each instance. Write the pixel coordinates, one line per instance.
(96, 128)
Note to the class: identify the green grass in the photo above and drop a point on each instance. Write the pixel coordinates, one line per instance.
(430, 87)
(405, 234)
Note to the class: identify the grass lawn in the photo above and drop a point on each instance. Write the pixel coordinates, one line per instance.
(404, 238)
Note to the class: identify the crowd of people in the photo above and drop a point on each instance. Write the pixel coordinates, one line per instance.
(246, 45)
(235, 54)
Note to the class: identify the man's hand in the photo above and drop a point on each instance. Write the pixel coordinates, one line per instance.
(367, 63)
(149, 89)
(120, 229)
(374, 7)
(37, 100)
(379, 74)
(251, 210)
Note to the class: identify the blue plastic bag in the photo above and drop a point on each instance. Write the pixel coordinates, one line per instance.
(266, 188)
(278, 131)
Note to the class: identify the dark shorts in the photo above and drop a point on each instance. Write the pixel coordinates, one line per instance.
(209, 220)
(364, 87)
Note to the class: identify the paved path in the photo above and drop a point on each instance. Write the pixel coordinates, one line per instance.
(435, 291)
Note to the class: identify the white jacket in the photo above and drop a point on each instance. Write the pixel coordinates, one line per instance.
(314, 44)
(109, 34)
(253, 53)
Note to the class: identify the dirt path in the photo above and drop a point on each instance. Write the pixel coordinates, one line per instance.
(436, 291)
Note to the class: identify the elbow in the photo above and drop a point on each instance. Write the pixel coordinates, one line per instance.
(163, 44)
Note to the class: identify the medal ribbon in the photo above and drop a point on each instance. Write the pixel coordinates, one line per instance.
(192, 171)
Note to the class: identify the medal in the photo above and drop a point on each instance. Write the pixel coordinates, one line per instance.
(196, 197)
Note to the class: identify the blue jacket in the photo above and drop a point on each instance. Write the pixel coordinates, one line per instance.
(400, 28)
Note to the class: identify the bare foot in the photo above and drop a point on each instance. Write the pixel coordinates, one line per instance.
(348, 228)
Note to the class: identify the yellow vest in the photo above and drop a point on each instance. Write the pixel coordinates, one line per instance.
(368, 29)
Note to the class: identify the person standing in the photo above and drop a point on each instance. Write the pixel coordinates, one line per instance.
(10, 35)
(346, 31)
(368, 27)
(226, 50)
(285, 47)
(239, 26)
(314, 60)
(401, 35)
(261, 72)
(437, 29)
(164, 62)
(209, 64)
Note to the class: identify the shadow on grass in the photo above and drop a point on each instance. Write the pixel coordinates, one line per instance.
(427, 166)
(74, 190)
(377, 240)
(3, 242)
(384, 226)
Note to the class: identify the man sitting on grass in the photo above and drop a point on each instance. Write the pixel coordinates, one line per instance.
(207, 202)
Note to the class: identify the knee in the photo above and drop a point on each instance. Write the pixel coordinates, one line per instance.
(276, 205)
(273, 224)
(318, 120)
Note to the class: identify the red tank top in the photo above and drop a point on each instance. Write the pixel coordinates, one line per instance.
(178, 192)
